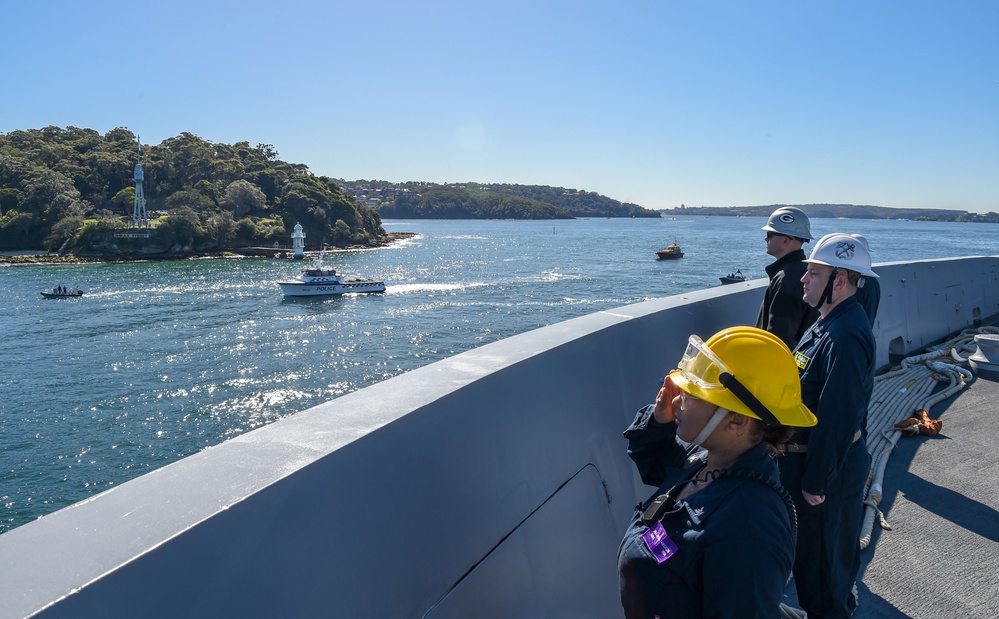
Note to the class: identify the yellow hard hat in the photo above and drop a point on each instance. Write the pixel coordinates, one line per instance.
(747, 371)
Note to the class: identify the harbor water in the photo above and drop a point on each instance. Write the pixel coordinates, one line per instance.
(159, 360)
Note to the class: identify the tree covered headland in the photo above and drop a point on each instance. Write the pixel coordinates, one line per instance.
(452, 202)
(422, 200)
(72, 189)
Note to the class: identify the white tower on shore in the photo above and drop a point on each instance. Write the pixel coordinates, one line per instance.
(139, 219)
(298, 242)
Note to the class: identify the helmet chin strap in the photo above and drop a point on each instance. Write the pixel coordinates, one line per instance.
(827, 292)
(710, 426)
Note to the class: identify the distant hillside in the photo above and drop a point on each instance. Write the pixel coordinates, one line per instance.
(455, 202)
(850, 211)
(71, 190)
(418, 200)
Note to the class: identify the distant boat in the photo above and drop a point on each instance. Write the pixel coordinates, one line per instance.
(733, 278)
(672, 252)
(321, 280)
(61, 292)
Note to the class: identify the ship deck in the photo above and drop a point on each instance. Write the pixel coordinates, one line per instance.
(941, 556)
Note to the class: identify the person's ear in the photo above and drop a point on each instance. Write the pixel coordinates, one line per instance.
(840, 285)
(737, 422)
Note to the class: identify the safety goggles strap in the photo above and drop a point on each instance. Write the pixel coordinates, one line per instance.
(747, 398)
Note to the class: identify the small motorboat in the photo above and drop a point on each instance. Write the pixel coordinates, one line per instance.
(321, 280)
(671, 252)
(733, 278)
(61, 292)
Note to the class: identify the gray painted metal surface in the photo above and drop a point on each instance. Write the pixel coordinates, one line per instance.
(492, 484)
(941, 556)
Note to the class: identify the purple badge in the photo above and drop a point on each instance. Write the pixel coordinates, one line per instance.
(658, 543)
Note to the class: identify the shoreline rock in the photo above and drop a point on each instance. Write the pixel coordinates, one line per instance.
(40, 258)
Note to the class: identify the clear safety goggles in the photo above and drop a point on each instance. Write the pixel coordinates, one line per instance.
(694, 361)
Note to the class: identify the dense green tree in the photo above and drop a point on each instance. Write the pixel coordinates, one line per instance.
(246, 231)
(269, 181)
(66, 229)
(15, 227)
(192, 158)
(222, 228)
(14, 168)
(192, 199)
(245, 197)
(341, 232)
(209, 190)
(181, 229)
(266, 152)
(108, 173)
(53, 196)
(9, 197)
(120, 135)
(124, 200)
(317, 205)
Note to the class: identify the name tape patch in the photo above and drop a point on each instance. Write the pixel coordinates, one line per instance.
(658, 543)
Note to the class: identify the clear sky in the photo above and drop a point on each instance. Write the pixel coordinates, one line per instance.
(661, 102)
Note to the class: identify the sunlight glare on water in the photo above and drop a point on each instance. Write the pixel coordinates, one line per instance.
(159, 360)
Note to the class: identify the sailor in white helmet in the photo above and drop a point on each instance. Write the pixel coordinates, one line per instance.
(783, 311)
(825, 467)
(868, 288)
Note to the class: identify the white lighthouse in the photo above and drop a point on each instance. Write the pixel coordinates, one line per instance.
(139, 218)
(298, 242)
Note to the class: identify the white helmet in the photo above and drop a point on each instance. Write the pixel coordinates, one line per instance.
(862, 239)
(843, 251)
(789, 221)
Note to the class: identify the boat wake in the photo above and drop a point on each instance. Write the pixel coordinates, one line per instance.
(558, 276)
(411, 288)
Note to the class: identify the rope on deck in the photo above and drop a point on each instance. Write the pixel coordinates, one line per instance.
(897, 394)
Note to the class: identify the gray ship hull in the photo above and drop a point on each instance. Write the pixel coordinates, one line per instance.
(490, 484)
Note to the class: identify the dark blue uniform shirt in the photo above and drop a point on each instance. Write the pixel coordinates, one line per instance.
(733, 537)
(836, 361)
(784, 311)
(869, 296)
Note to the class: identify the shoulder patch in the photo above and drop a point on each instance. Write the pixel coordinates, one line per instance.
(801, 360)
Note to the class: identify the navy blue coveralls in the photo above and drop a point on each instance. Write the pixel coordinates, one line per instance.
(836, 363)
(784, 311)
(733, 537)
(870, 297)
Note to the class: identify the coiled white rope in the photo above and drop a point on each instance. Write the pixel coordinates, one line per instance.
(897, 395)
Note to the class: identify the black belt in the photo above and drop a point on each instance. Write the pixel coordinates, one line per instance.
(795, 448)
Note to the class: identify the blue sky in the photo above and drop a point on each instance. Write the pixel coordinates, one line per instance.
(743, 102)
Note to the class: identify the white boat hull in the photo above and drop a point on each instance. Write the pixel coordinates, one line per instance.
(303, 289)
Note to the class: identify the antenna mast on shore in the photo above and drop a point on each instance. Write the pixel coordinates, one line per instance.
(139, 218)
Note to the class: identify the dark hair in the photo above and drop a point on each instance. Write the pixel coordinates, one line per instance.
(773, 436)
